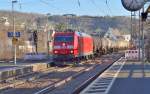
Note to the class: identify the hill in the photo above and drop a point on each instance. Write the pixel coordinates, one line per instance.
(93, 24)
(83, 23)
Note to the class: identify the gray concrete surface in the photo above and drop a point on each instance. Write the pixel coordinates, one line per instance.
(134, 78)
(6, 68)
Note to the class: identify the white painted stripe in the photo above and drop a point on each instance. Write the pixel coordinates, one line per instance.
(113, 80)
(98, 89)
(103, 86)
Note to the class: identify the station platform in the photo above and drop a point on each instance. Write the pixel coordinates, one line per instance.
(12, 71)
(5, 68)
(123, 77)
(134, 78)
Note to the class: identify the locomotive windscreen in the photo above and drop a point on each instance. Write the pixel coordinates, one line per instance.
(63, 38)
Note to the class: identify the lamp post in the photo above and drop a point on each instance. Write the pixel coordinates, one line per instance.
(139, 36)
(13, 2)
(48, 39)
(142, 34)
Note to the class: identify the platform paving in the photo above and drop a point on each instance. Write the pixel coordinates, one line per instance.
(134, 78)
(6, 68)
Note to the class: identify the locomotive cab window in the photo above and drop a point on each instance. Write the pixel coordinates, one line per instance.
(63, 38)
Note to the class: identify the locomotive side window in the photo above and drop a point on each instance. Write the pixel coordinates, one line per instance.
(63, 38)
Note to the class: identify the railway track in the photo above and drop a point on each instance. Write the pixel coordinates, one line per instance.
(81, 81)
(59, 83)
(50, 79)
(17, 80)
(55, 77)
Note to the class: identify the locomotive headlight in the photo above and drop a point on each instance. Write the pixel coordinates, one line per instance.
(71, 51)
(55, 52)
(63, 44)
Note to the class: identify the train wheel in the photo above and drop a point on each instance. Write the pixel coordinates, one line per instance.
(77, 60)
(90, 56)
(86, 58)
(52, 64)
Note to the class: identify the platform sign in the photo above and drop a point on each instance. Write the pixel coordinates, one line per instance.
(17, 34)
(14, 40)
(11, 34)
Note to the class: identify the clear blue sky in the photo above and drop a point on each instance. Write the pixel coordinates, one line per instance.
(85, 7)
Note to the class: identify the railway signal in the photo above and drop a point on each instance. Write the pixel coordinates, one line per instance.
(35, 38)
(144, 16)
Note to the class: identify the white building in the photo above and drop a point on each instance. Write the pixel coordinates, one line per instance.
(127, 37)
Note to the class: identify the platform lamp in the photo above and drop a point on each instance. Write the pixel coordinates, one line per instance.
(48, 35)
(14, 38)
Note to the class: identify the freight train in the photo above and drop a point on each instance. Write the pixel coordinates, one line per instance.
(74, 46)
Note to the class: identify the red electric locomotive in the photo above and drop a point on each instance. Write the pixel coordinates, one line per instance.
(69, 46)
